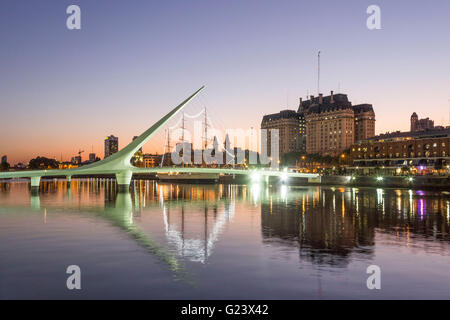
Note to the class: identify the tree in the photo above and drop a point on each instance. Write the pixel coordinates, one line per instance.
(43, 163)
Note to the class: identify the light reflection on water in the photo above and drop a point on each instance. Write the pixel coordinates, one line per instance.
(222, 241)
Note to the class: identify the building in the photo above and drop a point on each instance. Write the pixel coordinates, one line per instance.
(4, 159)
(91, 157)
(288, 123)
(420, 124)
(416, 150)
(76, 160)
(151, 160)
(322, 125)
(333, 124)
(364, 122)
(111, 145)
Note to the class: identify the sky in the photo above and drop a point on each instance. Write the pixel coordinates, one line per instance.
(64, 90)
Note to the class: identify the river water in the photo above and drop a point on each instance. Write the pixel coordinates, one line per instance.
(180, 241)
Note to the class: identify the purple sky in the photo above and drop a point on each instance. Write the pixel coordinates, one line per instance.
(62, 90)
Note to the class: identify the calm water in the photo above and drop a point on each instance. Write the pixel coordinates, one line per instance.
(222, 241)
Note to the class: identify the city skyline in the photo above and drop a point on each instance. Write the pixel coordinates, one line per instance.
(251, 66)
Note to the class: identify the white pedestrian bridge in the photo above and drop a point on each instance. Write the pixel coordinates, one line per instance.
(119, 163)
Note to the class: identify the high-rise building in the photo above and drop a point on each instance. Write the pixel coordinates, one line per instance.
(288, 123)
(4, 159)
(420, 124)
(333, 124)
(111, 145)
(322, 125)
(364, 121)
(91, 157)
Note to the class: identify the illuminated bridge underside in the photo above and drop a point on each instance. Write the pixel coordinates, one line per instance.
(119, 163)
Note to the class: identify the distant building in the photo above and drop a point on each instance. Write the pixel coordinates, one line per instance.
(67, 165)
(91, 157)
(333, 124)
(111, 145)
(364, 122)
(151, 160)
(397, 149)
(322, 125)
(4, 159)
(420, 124)
(76, 160)
(20, 166)
(288, 123)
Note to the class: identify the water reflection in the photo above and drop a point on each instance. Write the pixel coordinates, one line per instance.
(337, 231)
(329, 226)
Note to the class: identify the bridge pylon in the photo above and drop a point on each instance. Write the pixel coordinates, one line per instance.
(123, 179)
(35, 182)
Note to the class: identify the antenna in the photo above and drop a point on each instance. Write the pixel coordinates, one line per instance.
(287, 99)
(318, 73)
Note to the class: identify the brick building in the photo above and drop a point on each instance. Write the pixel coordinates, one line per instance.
(422, 149)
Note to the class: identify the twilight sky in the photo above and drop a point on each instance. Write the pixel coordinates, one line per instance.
(63, 90)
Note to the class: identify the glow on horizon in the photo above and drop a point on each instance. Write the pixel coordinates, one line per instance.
(130, 64)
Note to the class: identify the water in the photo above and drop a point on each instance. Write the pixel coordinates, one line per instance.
(170, 241)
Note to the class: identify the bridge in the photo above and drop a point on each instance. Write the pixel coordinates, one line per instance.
(119, 164)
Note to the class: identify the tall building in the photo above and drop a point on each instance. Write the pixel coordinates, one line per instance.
(288, 122)
(333, 124)
(4, 159)
(364, 121)
(91, 157)
(420, 124)
(322, 125)
(111, 145)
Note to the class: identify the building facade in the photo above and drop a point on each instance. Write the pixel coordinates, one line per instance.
(415, 149)
(333, 124)
(420, 124)
(322, 125)
(364, 122)
(111, 145)
(288, 123)
(151, 160)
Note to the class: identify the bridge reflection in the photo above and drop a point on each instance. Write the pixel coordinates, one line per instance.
(327, 225)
